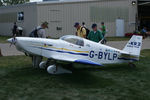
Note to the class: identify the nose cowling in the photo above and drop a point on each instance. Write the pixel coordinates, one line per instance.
(12, 40)
(9, 40)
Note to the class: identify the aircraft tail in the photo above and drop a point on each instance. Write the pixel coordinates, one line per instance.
(133, 47)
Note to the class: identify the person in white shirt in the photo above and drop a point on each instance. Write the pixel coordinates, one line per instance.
(41, 30)
(20, 30)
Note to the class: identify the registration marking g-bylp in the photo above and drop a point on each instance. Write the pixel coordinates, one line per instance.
(103, 55)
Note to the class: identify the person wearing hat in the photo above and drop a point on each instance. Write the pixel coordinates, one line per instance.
(41, 30)
(81, 31)
(95, 35)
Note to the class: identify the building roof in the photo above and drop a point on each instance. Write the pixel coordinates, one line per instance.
(51, 2)
(67, 1)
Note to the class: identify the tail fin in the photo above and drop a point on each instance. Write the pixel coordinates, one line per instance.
(134, 45)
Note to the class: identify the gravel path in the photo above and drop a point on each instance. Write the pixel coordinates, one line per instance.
(11, 51)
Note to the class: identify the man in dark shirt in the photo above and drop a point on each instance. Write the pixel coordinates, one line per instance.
(14, 31)
(95, 35)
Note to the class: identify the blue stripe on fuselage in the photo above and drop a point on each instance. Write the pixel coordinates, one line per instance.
(87, 62)
(123, 58)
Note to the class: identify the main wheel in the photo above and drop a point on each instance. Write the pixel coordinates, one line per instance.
(42, 65)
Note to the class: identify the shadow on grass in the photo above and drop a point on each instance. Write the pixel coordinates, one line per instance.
(81, 78)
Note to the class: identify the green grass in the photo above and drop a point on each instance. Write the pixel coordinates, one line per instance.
(19, 81)
(3, 39)
(118, 38)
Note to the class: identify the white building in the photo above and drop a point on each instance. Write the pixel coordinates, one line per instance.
(62, 15)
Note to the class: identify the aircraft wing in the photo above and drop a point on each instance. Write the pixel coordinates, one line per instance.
(82, 61)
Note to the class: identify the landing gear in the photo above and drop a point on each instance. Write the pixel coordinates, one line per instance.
(45, 64)
(132, 65)
(42, 65)
(36, 60)
(54, 67)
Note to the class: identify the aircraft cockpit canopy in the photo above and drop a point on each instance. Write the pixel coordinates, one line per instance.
(73, 39)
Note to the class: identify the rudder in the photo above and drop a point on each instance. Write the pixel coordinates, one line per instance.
(134, 45)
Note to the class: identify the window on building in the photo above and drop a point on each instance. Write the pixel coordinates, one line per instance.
(20, 16)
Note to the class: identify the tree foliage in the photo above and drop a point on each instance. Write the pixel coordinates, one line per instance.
(12, 2)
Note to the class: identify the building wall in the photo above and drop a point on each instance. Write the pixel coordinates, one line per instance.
(8, 15)
(64, 15)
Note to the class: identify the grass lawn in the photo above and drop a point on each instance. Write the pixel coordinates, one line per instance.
(3, 39)
(19, 81)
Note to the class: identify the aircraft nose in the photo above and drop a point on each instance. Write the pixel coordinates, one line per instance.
(10, 40)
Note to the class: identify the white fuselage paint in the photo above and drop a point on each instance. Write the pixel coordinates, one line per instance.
(58, 48)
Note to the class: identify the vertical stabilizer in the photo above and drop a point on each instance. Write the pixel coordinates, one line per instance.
(134, 45)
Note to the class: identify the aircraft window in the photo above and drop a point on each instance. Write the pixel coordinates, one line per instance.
(76, 41)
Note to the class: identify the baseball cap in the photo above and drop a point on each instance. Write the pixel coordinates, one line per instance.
(76, 24)
(46, 24)
(94, 25)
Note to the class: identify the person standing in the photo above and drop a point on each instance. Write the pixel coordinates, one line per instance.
(103, 30)
(95, 35)
(87, 30)
(144, 32)
(83, 24)
(14, 30)
(20, 30)
(39, 31)
(0, 53)
(81, 31)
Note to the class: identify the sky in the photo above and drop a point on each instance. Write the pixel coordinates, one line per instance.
(35, 0)
(60, 0)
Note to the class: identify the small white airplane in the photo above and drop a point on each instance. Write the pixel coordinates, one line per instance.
(73, 49)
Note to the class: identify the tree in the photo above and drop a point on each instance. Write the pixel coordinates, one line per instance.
(1, 3)
(12, 2)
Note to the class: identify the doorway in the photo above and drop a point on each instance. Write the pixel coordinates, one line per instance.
(144, 14)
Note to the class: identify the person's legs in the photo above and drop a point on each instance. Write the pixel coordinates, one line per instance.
(104, 40)
(0, 53)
